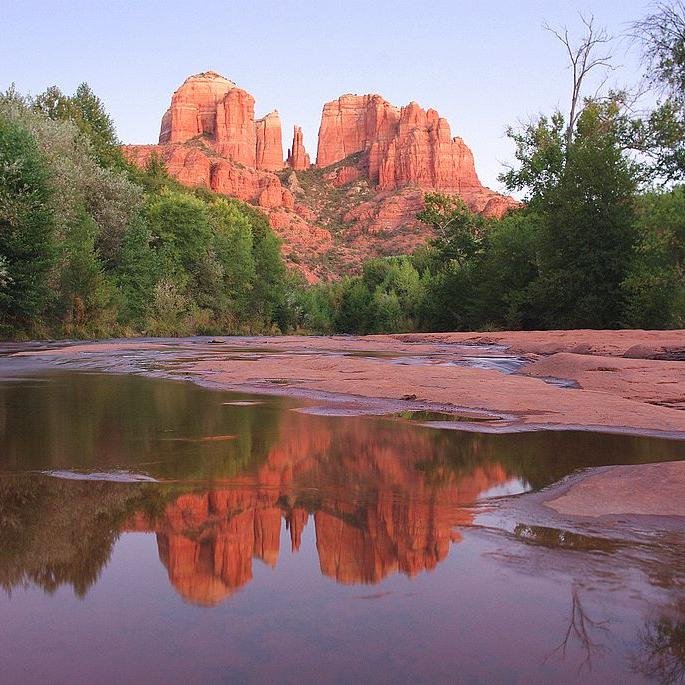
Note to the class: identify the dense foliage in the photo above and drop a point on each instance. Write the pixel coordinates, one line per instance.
(91, 247)
(567, 263)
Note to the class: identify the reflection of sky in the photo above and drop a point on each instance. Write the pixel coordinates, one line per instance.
(515, 486)
(505, 364)
(490, 613)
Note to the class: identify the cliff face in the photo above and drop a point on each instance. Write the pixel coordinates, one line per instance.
(211, 106)
(269, 142)
(379, 160)
(354, 123)
(193, 108)
(407, 146)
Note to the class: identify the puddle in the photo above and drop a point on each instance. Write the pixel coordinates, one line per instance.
(421, 416)
(108, 476)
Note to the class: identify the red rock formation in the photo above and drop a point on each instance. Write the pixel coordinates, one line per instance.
(236, 137)
(269, 142)
(209, 138)
(408, 146)
(353, 123)
(196, 166)
(193, 108)
(298, 159)
(424, 154)
(213, 107)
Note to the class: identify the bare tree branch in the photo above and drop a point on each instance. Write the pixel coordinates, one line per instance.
(583, 59)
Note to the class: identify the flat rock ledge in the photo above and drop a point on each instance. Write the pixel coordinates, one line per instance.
(642, 490)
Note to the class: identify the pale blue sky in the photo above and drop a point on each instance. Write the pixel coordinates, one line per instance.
(483, 65)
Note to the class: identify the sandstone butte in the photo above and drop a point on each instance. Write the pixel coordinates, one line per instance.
(374, 163)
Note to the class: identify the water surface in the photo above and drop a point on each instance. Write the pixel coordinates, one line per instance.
(157, 531)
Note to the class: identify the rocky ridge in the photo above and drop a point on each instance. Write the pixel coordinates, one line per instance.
(374, 163)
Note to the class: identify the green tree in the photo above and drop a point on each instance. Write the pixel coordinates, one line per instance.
(450, 262)
(586, 232)
(139, 271)
(76, 178)
(233, 246)
(353, 313)
(386, 315)
(27, 248)
(268, 299)
(87, 294)
(504, 275)
(660, 135)
(86, 111)
(655, 284)
(458, 230)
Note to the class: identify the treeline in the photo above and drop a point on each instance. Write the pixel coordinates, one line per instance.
(91, 246)
(550, 265)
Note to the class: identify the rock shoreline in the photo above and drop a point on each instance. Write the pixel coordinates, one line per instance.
(426, 371)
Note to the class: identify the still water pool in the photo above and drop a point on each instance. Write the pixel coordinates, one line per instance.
(157, 531)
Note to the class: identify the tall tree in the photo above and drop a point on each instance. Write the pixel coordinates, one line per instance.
(577, 178)
(660, 135)
(587, 55)
(27, 249)
(587, 229)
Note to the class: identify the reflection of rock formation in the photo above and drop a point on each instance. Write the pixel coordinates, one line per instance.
(374, 513)
(364, 544)
(207, 541)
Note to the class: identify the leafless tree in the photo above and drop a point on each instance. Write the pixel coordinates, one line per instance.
(663, 656)
(662, 36)
(579, 629)
(590, 53)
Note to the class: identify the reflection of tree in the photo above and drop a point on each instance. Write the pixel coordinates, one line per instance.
(56, 532)
(580, 629)
(663, 650)
(130, 422)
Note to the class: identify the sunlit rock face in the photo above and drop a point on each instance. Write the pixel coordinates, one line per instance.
(399, 520)
(193, 108)
(235, 134)
(379, 161)
(298, 159)
(355, 123)
(269, 150)
(424, 153)
(402, 146)
(210, 106)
